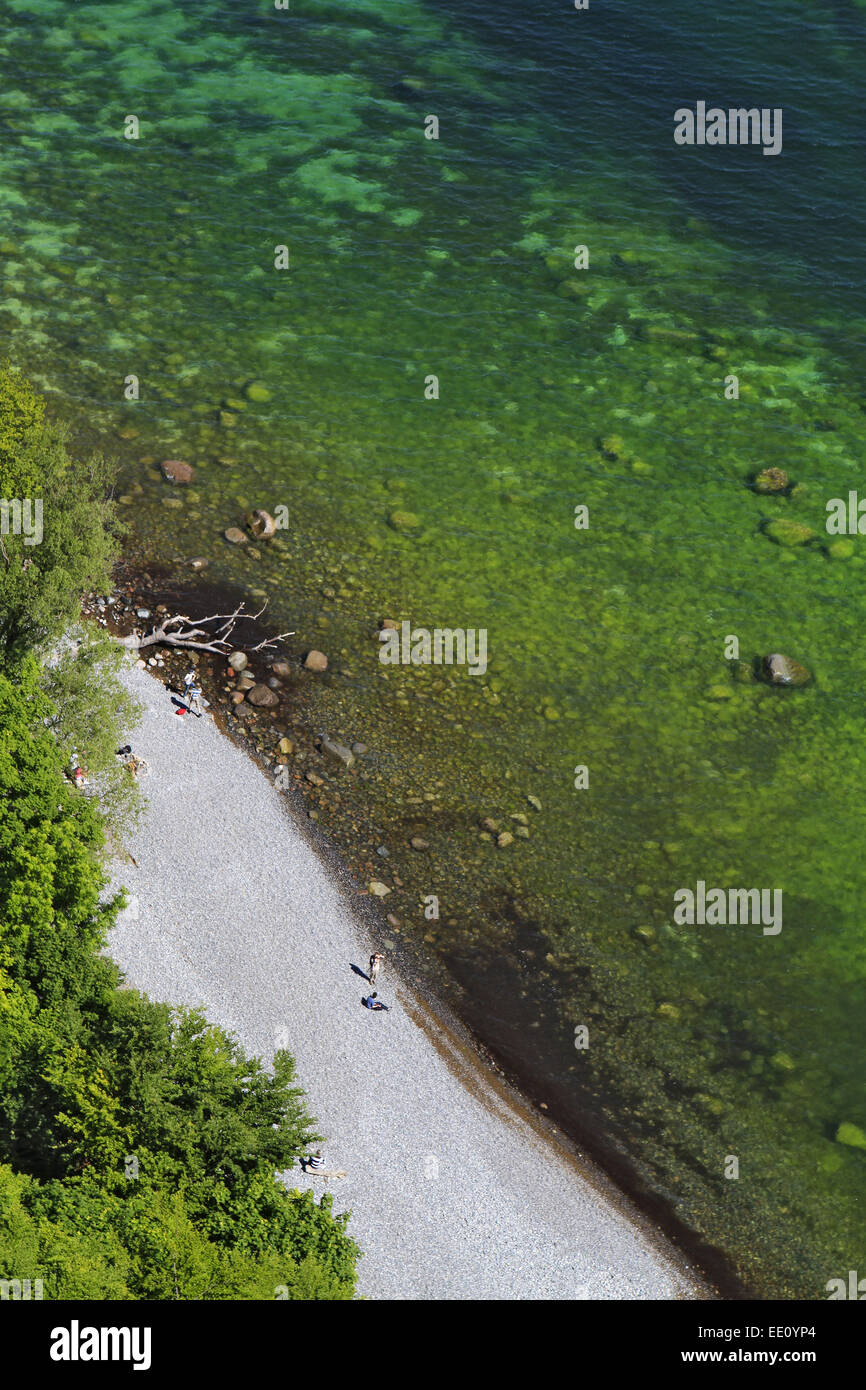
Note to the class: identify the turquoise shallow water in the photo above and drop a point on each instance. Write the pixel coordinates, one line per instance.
(557, 387)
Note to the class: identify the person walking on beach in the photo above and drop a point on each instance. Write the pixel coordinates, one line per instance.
(374, 1002)
(375, 966)
(192, 693)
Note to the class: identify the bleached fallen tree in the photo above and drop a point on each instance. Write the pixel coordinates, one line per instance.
(178, 630)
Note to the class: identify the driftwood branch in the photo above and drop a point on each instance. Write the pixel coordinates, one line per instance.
(178, 630)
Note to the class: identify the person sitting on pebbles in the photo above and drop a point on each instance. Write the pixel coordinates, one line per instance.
(374, 1002)
(135, 766)
(77, 772)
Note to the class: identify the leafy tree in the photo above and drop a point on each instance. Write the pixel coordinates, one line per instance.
(41, 583)
(92, 1074)
(92, 713)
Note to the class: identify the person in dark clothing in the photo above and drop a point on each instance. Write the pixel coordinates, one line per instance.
(374, 1002)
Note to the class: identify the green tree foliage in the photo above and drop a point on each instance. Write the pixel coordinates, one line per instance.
(91, 716)
(139, 1146)
(93, 1075)
(41, 584)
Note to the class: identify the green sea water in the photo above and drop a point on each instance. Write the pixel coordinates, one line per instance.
(558, 387)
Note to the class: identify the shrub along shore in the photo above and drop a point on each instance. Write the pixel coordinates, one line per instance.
(138, 1143)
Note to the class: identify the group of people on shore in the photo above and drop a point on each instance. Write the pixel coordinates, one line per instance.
(316, 1162)
(192, 693)
(372, 1000)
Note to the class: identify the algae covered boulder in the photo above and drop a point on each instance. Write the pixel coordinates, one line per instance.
(613, 446)
(789, 533)
(852, 1135)
(771, 480)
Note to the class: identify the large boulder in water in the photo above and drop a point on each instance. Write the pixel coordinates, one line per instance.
(261, 524)
(771, 480)
(174, 471)
(263, 696)
(789, 533)
(784, 670)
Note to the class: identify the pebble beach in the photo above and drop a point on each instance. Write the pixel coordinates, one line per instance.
(457, 1190)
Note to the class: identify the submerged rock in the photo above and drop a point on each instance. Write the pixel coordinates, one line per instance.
(316, 661)
(261, 523)
(404, 521)
(235, 535)
(771, 480)
(841, 550)
(410, 89)
(789, 533)
(338, 751)
(174, 471)
(263, 696)
(612, 446)
(784, 670)
(238, 661)
(852, 1135)
(282, 669)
